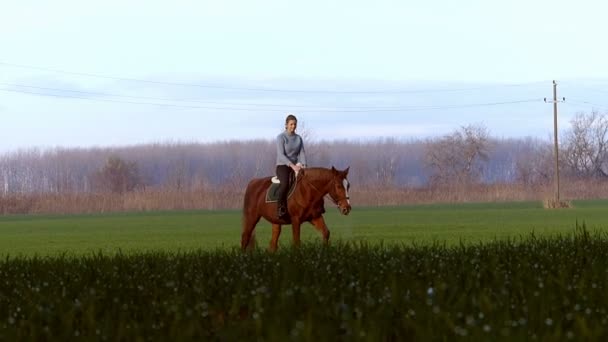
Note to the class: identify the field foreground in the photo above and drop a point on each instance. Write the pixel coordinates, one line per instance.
(142, 232)
(545, 288)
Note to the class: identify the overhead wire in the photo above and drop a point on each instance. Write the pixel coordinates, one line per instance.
(183, 103)
(395, 109)
(217, 103)
(127, 102)
(234, 88)
(582, 102)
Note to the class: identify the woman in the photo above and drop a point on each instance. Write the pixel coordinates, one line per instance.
(290, 158)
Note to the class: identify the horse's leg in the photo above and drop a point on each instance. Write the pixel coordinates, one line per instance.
(276, 232)
(248, 227)
(295, 230)
(319, 223)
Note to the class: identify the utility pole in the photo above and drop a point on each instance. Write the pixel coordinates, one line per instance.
(556, 146)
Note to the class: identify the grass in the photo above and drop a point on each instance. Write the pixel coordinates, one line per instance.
(479, 272)
(532, 288)
(210, 230)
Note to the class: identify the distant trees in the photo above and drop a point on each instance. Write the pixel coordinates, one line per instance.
(386, 162)
(464, 156)
(118, 175)
(56, 170)
(534, 163)
(467, 156)
(585, 147)
(458, 158)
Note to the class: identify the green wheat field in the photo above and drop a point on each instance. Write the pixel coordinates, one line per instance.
(211, 230)
(479, 272)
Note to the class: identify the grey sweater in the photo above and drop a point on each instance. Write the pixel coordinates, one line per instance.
(290, 149)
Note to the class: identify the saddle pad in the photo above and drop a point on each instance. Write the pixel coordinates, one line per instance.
(272, 194)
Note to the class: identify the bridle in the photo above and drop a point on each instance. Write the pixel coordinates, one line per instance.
(333, 181)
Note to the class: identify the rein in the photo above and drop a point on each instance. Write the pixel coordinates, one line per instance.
(321, 192)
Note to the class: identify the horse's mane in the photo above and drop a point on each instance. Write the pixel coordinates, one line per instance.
(317, 171)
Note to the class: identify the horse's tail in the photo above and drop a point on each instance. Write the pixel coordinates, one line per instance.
(248, 235)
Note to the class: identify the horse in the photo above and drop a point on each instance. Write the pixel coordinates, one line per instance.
(305, 204)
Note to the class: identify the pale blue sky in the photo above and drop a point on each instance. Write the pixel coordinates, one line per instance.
(348, 69)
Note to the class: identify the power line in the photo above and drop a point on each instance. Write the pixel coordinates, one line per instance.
(603, 91)
(187, 100)
(197, 101)
(594, 82)
(144, 97)
(574, 86)
(453, 106)
(581, 102)
(267, 89)
(393, 109)
(130, 102)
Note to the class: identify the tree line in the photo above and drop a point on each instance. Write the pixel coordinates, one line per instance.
(467, 156)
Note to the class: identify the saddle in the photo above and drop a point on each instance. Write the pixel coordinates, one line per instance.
(272, 194)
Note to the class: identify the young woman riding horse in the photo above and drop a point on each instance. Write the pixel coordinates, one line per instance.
(291, 158)
(305, 203)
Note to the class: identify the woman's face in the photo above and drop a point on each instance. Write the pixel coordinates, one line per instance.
(291, 126)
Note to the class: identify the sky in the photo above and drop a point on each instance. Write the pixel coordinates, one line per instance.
(116, 73)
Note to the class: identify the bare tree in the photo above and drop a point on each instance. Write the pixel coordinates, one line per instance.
(177, 175)
(118, 175)
(386, 161)
(458, 157)
(263, 153)
(586, 145)
(534, 164)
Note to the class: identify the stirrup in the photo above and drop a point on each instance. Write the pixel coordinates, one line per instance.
(282, 212)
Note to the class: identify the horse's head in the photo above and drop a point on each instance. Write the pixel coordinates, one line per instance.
(339, 190)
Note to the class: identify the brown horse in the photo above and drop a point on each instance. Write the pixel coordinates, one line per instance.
(304, 205)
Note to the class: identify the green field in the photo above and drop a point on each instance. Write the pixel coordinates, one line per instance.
(413, 273)
(210, 230)
(533, 289)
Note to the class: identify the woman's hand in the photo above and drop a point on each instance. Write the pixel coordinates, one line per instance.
(297, 167)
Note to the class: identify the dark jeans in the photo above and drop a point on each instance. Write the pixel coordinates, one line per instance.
(284, 173)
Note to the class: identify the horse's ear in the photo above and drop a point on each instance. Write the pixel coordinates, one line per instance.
(333, 169)
(346, 171)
